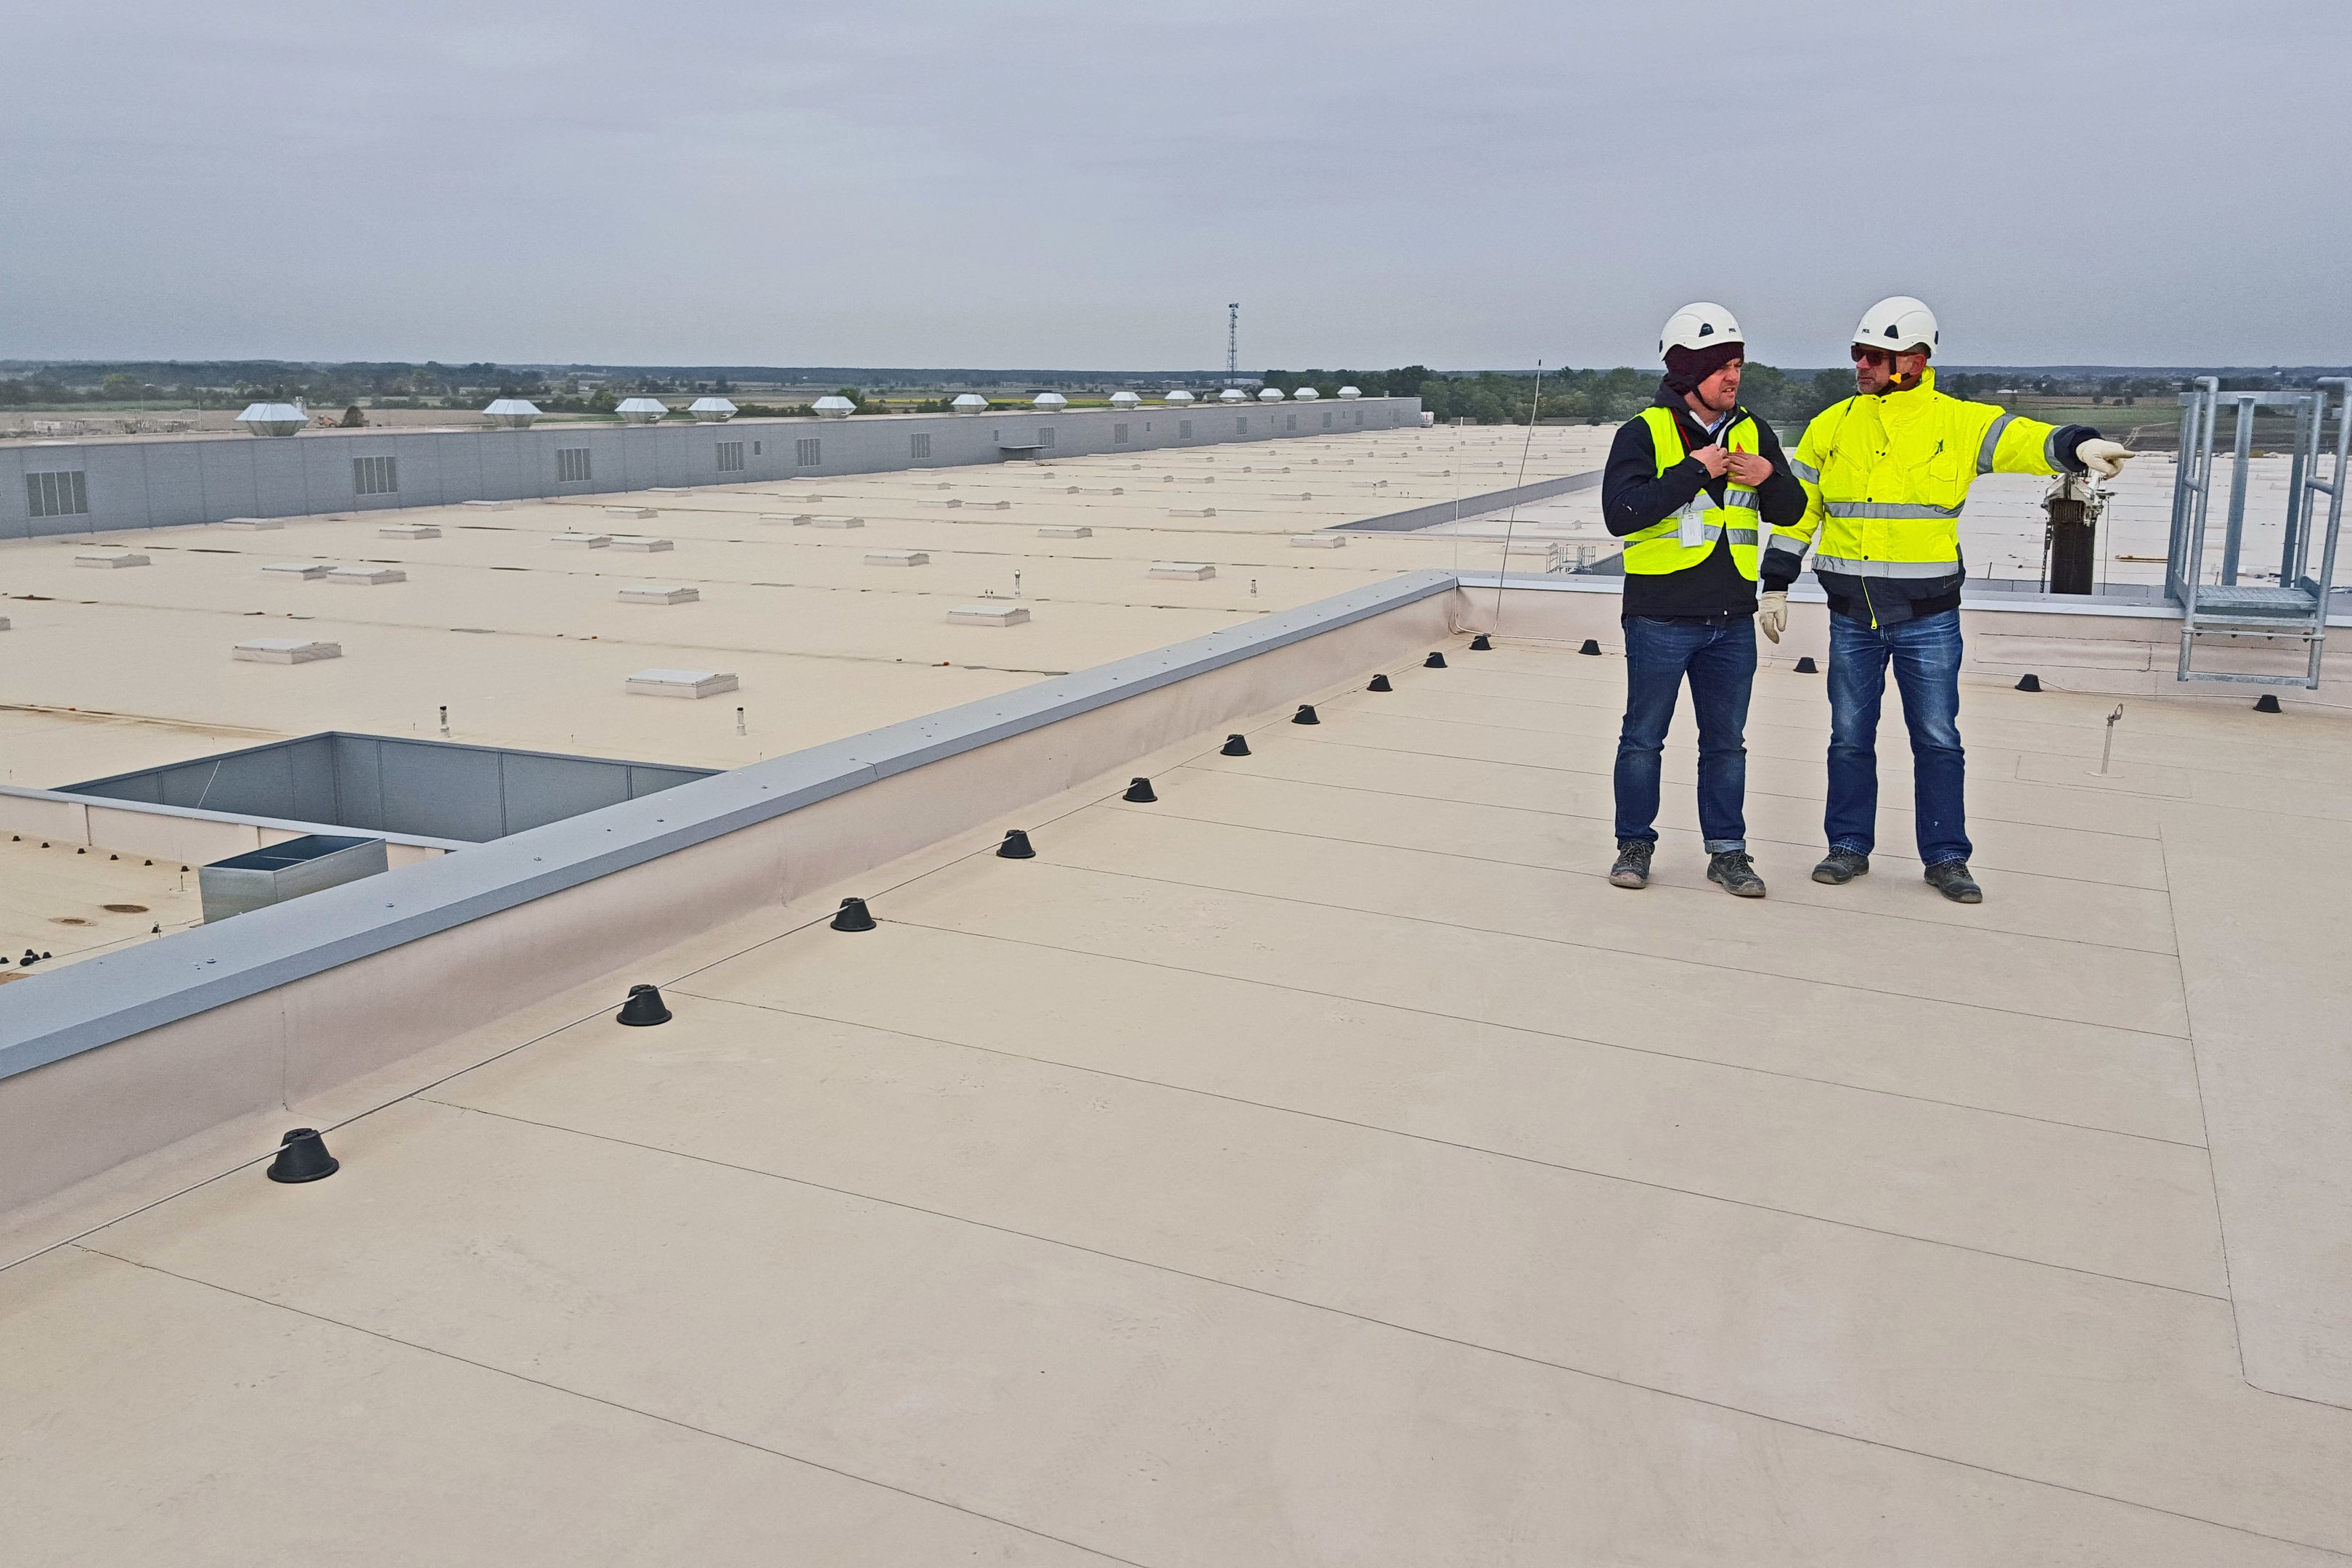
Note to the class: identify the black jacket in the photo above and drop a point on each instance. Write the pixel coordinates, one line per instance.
(1634, 495)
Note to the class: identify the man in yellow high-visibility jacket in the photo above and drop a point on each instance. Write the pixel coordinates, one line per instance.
(1885, 475)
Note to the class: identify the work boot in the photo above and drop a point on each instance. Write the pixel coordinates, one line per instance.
(1737, 872)
(1632, 867)
(1951, 879)
(1842, 867)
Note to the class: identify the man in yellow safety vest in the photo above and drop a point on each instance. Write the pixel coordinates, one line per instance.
(1886, 474)
(1689, 487)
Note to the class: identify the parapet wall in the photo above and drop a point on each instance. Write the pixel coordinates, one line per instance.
(165, 482)
(122, 1055)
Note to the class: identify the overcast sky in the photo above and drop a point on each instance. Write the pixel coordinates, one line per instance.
(1001, 183)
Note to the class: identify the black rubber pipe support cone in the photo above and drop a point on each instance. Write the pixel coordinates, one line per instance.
(1435, 661)
(1305, 714)
(1591, 648)
(1480, 644)
(1380, 683)
(1140, 793)
(303, 1157)
(2029, 683)
(644, 1009)
(1015, 846)
(2266, 703)
(1805, 664)
(853, 915)
(1234, 746)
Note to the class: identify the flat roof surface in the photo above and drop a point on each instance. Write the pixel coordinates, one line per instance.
(72, 905)
(1326, 1165)
(527, 643)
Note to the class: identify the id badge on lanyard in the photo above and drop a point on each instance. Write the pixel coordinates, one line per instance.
(1693, 532)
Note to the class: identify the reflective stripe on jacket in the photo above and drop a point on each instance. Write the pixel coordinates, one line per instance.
(1886, 477)
(1659, 548)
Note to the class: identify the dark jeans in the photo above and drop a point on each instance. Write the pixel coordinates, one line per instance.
(1719, 657)
(1927, 658)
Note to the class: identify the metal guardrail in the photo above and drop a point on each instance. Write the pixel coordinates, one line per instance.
(2297, 607)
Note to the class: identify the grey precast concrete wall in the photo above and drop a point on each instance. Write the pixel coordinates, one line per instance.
(433, 789)
(172, 480)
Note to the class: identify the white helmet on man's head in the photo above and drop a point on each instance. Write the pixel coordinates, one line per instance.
(1700, 326)
(1898, 324)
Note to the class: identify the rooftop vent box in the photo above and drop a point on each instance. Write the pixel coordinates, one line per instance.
(285, 650)
(659, 594)
(645, 543)
(687, 683)
(711, 410)
(252, 524)
(581, 540)
(1350, 394)
(366, 576)
(108, 559)
(1307, 395)
(1233, 394)
(273, 418)
(308, 571)
(898, 558)
(276, 872)
(1064, 530)
(1125, 400)
(1179, 397)
(833, 406)
(1050, 403)
(1318, 541)
(988, 615)
(970, 403)
(1270, 394)
(409, 531)
(511, 412)
(1184, 571)
(641, 410)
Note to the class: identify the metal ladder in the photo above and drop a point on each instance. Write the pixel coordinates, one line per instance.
(2296, 609)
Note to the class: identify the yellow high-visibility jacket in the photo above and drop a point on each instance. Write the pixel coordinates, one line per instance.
(1886, 477)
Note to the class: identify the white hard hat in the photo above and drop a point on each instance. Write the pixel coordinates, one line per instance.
(1897, 324)
(1698, 326)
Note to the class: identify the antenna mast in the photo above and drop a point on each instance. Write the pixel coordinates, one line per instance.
(1233, 343)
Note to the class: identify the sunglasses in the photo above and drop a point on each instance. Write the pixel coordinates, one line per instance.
(1873, 357)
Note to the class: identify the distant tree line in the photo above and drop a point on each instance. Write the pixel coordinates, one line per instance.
(1591, 397)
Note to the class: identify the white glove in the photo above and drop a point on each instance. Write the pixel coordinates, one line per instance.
(2103, 458)
(1773, 612)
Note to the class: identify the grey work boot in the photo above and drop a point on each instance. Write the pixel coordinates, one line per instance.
(1737, 872)
(1952, 879)
(1632, 867)
(1843, 866)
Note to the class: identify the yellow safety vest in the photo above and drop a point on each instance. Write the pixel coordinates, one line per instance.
(1659, 548)
(1886, 477)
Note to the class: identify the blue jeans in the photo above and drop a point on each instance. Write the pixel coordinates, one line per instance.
(1719, 657)
(1927, 658)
